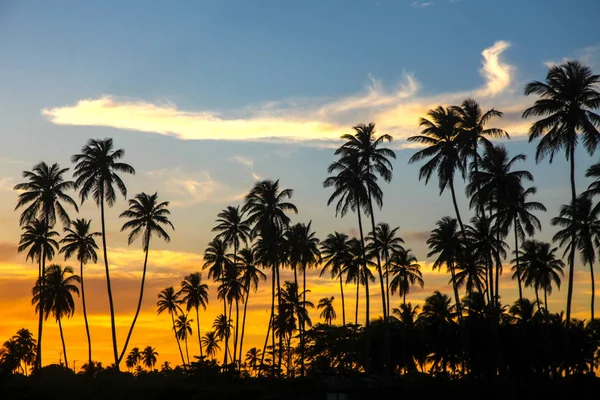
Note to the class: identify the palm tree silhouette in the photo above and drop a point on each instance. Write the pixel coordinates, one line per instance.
(232, 228)
(58, 288)
(405, 272)
(586, 220)
(194, 295)
(42, 197)
(232, 290)
(40, 241)
(357, 271)
(565, 103)
(133, 358)
(146, 217)
(148, 356)
(183, 329)
(210, 341)
(18, 352)
(334, 250)
(222, 327)
(373, 158)
(168, 301)
(384, 242)
(251, 276)
(217, 261)
(540, 268)
(253, 358)
(96, 173)
(327, 310)
(80, 241)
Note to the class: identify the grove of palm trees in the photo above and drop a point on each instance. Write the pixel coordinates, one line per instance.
(463, 339)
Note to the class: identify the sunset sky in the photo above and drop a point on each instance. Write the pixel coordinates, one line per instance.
(207, 97)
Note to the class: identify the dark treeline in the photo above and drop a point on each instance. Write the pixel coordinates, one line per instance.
(469, 336)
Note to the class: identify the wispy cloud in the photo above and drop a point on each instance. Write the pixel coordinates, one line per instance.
(311, 121)
(187, 188)
(589, 55)
(422, 4)
(249, 164)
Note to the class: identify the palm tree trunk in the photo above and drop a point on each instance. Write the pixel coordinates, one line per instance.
(187, 353)
(357, 294)
(237, 330)
(517, 260)
(227, 351)
(177, 339)
(387, 286)
(87, 326)
(139, 305)
(592, 306)
(455, 203)
(573, 236)
(262, 357)
(244, 322)
(343, 304)
(198, 328)
(108, 286)
(537, 298)
(62, 338)
(280, 355)
(302, 324)
(546, 300)
(42, 273)
(379, 272)
(456, 296)
(364, 255)
(404, 298)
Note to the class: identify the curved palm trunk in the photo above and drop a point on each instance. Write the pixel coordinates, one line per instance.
(177, 339)
(357, 294)
(198, 330)
(227, 334)
(139, 305)
(343, 304)
(573, 237)
(237, 331)
(456, 295)
(592, 306)
(464, 235)
(517, 260)
(42, 272)
(62, 339)
(262, 356)
(187, 353)
(269, 327)
(87, 326)
(244, 322)
(387, 286)
(364, 255)
(108, 286)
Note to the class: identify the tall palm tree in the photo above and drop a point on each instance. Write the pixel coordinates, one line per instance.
(303, 250)
(42, 197)
(58, 288)
(586, 218)
(405, 272)
(373, 158)
(146, 217)
(80, 242)
(222, 327)
(40, 242)
(97, 173)
(445, 242)
(357, 271)
(232, 228)
(133, 358)
(148, 356)
(267, 206)
(441, 134)
(169, 301)
(183, 330)
(217, 261)
(327, 310)
(336, 256)
(210, 341)
(232, 290)
(540, 268)
(194, 295)
(251, 276)
(385, 242)
(565, 103)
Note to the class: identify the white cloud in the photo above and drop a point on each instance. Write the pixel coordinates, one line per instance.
(7, 184)
(422, 4)
(310, 121)
(249, 164)
(187, 188)
(589, 56)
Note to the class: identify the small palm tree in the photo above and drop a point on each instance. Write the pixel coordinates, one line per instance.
(149, 357)
(80, 241)
(183, 329)
(565, 103)
(217, 261)
(253, 358)
(327, 310)
(58, 288)
(222, 328)
(210, 341)
(232, 290)
(133, 358)
(40, 242)
(195, 295)
(232, 228)
(97, 173)
(146, 217)
(405, 272)
(336, 255)
(169, 301)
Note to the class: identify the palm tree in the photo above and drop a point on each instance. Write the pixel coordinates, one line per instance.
(80, 241)
(222, 327)
(233, 229)
(373, 158)
(169, 301)
(40, 241)
(133, 358)
(146, 217)
(565, 103)
(149, 357)
(232, 289)
(441, 135)
(217, 261)
(183, 329)
(96, 173)
(58, 287)
(266, 207)
(303, 250)
(251, 276)
(357, 271)
(195, 295)
(210, 341)
(540, 268)
(336, 256)
(253, 358)
(18, 352)
(327, 310)
(42, 197)
(586, 220)
(446, 243)
(405, 272)
(384, 241)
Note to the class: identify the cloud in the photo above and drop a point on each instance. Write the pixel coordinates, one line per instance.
(417, 236)
(249, 164)
(310, 121)
(422, 4)
(7, 184)
(187, 188)
(589, 56)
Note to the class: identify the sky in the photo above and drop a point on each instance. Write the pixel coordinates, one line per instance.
(207, 97)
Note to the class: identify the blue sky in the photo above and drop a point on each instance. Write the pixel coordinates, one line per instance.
(208, 96)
